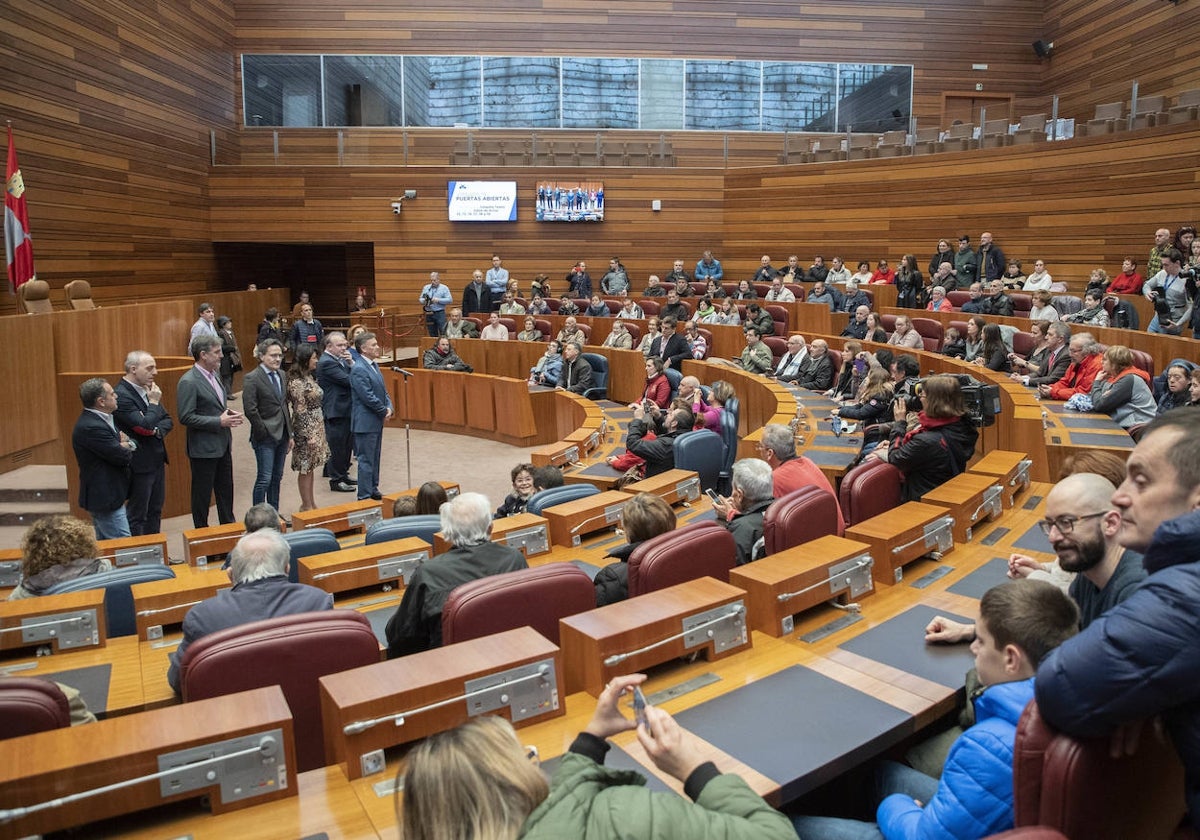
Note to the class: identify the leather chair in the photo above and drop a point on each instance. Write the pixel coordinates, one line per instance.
(797, 291)
(779, 316)
(1143, 360)
(1108, 118)
(306, 543)
(932, 332)
(635, 332)
(1185, 109)
(729, 437)
(650, 307)
(708, 340)
(536, 598)
(586, 329)
(33, 297)
(552, 496)
(888, 322)
(1076, 787)
(79, 294)
(1031, 129)
(293, 652)
(1022, 304)
(1023, 344)
(702, 549)
(674, 377)
(544, 327)
(703, 452)
(599, 389)
(957, 298)
(404, 526)
(799, 517)
(118, 599)
(868, 490)
(31, 704)
(778, 346)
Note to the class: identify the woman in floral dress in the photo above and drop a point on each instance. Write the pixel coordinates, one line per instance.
(310, 450)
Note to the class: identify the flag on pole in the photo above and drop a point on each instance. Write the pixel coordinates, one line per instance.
(17, 243)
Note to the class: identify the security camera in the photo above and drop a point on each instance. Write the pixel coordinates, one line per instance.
(397, 206)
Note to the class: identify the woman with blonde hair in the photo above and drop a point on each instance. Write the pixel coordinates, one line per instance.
(1123, 390)
(476, 782)
(652, 327)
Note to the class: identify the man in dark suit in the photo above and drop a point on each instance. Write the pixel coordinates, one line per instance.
(333, 375)
(670, 346)
(1058, 359)
(370, 408)
(103, 454)
(576, 375)
(816, 372)
(202, 411)
(264, 397)
(141, 416)
(477, 297)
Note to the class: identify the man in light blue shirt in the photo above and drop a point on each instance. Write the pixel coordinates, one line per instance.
(435, 298)
(497, 278)
(709, 268)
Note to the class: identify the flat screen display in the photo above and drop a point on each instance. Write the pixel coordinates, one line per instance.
(482, 201)
(570, 201)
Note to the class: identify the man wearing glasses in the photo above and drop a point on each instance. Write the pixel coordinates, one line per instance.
(1083, 526)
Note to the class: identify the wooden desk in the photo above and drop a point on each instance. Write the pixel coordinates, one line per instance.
(201, 544)
(350, 516)
(69, 621)
(132, 551)
(386, 564)
(971, 498)
(1011, 470)
(121, 656)
(571, 520)
(164, 603)
(902, 535)
(675, 487)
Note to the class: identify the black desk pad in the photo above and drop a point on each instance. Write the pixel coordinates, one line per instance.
(587, 568)
(601, 469)
(1034, 540)
(814, 402)
(1075, 421)
(798, 727)
(617, 758)
(91, 683)
(991, 573)
(900, 642)
(1098, 439)
(843, 441)
(827, 458)
(379, 619)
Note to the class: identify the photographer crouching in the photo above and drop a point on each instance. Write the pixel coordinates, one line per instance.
(939, 446)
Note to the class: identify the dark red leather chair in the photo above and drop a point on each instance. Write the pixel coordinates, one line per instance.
(1022, 304)
(650, 307)
(932, 332)
(702, 549)
(30, 704)
(510, 324)
(1143, 360)
(779, 316)
(778, 345)
(1023, 344)
(293, 652)
(797, 290)
(635, 331)
(544, 327)
(587, 331)
(1076, 787)
(799, 517)
(888, 322)
(536, 597)
(957, 298)
(868, 490)
(708, 340)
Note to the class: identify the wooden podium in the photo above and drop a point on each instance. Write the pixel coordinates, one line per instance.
(698, 615)
(903, 534)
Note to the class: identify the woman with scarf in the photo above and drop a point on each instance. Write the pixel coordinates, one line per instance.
(1122, 390)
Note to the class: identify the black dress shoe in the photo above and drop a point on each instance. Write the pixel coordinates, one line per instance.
(350, 481)
(377, 497)
(341, 487)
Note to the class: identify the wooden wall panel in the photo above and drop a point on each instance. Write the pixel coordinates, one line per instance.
(27, 369)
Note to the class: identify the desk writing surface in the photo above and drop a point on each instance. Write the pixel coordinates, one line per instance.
(124, 690)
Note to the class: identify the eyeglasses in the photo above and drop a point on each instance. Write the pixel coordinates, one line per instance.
(1066, 524)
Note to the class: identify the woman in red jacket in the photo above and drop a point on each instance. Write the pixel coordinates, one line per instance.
(658, 387)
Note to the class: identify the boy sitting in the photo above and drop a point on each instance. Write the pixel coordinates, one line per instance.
(1019, 623)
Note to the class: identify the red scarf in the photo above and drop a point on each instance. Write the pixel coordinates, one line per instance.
(927, 423)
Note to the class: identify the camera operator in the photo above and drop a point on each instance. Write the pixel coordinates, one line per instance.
(939, 446)
(1168, 291)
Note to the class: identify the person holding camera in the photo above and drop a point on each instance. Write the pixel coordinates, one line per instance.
(434, 299)
(1167, 290)
(939, 446)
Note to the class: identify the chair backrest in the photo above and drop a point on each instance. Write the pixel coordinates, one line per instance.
(586, 329)
(31, 704)
(1109, 111)
(650, 307)
(552, 496)
(79, 294)
(599, 370)
(932, 332)
(674, 377)
(797, 291)
(958, 297)
(799, 517)
(994, 127)
(536, 598)
(1032, 122)
(552, 303)
(33, 297)
(1022, 303)
(306, 543)
(635, 332)
(708, 340)
(544, 327)
(1143, 360)
(729, 437)
(1077, 787)
(868, 490)
(888, 322)
(702, 451)
(779, 317)
(118, 599)
(1151, 104)
(293, 652)
(1024, 344)
(386, 530)
(702, 549)
(778, 346)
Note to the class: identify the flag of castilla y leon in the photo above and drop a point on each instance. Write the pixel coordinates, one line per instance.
(17, 242)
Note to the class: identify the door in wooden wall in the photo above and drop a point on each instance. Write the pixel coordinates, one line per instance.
(966, 106)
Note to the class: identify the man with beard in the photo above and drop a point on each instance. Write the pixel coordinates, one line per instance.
(1083, 526)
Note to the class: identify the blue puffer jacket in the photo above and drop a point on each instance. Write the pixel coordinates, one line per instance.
(975, 794)
(1141, 658)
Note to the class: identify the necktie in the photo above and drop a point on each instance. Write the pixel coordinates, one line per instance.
(275, 382)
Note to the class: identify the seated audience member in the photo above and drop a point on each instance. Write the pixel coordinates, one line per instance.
(630, 310)
(477, 781)
(857, 327)
(566, 306)
(905, 335)
(697, 345)
(514, 288)
(546, 477)
(953, 343)
(780, 293)
(863, 275)
(838, 273)
(793, 272)
(404, 506)
(531, 332)
(56, 549)
(1043, 309)
(817, 271)
(658, 387)
(1085, 365)
(538, 306)
(766, 272)
(576, 375)
(674, 307)
(1057, 357)
(549, 366)
(743, 511)
(851, 374)
(974, 338)
(1194, 388)
(570, 332)
(943, 276)
(458, 326)
(1036, 362)
(677, 275)
(618, 337)
(522, 484)
(705, 310)
(875, 330)
(658, 451)
(258, 568)
(824, 293)
(977, 304)
(939, 446)
(854, 298)
(683, 287)
(1128, 282)
(994, 355)
(1039, 281)
(872, 405)
(652, 332)
(745, 291)
(1177, 393)
(1020, 622)
(597, 308)
(789, 471)
(760, 319)
(1098, 280)
(938, 302)
(1014, 277)
(706, 416)
(494, 330)
(441, 356)
(756, 358)
(714, 289)
(642, 517)
(883, 275)
(1122, 390)
(430, 497)
(260, 516)
(816, 372)
(467, 526)
(727, 314)
(1093, 313)
(510, 306)
(654, 287)
(788, 368)
(998, 302)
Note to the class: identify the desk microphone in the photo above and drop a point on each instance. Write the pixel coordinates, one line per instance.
(405, 373)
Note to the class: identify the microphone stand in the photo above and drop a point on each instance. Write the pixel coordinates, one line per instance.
(407, 374)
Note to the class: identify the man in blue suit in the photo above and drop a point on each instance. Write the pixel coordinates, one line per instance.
(371, 406)
(333, 375)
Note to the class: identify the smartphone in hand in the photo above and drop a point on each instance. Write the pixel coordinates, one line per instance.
(639, 704)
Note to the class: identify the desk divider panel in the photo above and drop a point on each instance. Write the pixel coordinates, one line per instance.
(384, 564)
(69, 621)
(571, 521)
(902, 535)
(1011, 470)
(971, 498)
(349, 516)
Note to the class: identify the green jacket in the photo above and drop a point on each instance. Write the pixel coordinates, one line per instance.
(588, 801)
